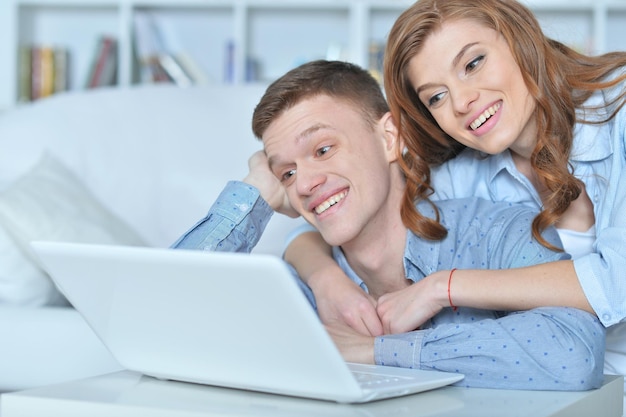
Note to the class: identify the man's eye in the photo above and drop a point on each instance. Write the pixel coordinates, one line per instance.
(323, 150)
(287, 175)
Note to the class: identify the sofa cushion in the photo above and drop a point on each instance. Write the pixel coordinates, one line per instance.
(156, 155)
(49, 203)
(22, 282)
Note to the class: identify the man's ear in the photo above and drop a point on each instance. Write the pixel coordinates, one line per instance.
(393, 142)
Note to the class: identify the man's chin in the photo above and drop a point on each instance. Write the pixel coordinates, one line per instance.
(333, 238)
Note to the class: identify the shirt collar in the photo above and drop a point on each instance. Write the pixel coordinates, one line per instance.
(591, 142)
(421, 258)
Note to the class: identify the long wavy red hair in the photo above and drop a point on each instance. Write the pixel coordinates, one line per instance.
(558, 78)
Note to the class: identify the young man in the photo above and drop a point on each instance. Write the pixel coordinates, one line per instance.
(331, 152)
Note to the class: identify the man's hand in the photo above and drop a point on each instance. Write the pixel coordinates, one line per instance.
(340, 301)
(265, 181)
(354, 347)
(407, 309)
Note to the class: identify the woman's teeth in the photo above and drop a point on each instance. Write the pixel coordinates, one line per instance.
(330, 202)
(486, 115)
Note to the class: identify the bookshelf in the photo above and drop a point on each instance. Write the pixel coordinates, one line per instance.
(266, 37)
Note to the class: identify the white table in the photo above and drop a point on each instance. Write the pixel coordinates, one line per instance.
(126, 394)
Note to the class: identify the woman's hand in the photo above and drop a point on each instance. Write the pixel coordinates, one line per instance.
(339, 299)
(407, 309)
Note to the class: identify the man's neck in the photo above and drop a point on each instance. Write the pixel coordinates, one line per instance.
(377, 255)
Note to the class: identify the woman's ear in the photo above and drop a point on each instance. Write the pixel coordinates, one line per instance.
(393, 142)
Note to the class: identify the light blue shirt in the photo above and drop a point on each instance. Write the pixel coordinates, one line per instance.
(541, 349)
(599, 159)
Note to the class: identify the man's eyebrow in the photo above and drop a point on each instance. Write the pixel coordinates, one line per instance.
(455, 62)
(305, 134)
(309, 131)
(271, 161)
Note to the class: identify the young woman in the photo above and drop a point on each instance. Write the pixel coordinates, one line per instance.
(489, 106)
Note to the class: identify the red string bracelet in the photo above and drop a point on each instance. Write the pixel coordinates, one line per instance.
(454, 308)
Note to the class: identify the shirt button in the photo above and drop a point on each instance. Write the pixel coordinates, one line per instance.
(606, 317)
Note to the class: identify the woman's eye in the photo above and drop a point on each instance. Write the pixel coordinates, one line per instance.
(323, 150)
(474, 63)
(435, 99)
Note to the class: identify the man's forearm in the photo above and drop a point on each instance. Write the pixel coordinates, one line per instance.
(234, 223)
(541, 349)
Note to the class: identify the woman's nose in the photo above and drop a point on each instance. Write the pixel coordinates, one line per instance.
(462, 99)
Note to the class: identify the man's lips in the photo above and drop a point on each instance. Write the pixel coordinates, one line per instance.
(329, 202)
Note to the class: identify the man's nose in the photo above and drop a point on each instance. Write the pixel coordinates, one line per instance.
(308, 178)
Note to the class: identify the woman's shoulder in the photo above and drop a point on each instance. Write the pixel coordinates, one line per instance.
(465, 175)
(606, 101)
(596, 141)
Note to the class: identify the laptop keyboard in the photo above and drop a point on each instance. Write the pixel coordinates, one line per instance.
(368, 379)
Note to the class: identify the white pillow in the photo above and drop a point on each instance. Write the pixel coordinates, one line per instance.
(22, 282)
(49, 203)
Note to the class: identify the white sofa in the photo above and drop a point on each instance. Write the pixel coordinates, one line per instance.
(152, 159)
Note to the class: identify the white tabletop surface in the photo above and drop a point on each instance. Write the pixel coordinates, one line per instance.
(129, 394)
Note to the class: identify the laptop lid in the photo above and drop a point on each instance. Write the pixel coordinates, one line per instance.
(225, 319)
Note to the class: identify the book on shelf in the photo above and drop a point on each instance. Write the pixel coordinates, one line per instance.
(375, 64)
(43, 71)
(156, 62)
(174, 71)
(229, 63)
(191, 67)
(46, 64)
(148, 46)
(25, 74)
(155, 72)
(61, 69)
(103, 70)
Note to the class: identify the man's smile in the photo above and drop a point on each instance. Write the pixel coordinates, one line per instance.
(330, 202)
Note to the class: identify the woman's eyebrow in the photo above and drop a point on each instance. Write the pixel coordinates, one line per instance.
(455, 62)
(462, 52)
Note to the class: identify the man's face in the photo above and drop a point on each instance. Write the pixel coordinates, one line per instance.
(335, 167)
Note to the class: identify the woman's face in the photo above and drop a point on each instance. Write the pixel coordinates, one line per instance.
(467, 78)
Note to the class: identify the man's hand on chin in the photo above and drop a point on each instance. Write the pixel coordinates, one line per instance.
(271, 189)
(354, 346)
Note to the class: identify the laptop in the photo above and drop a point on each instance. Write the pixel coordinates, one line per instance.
(224, 319)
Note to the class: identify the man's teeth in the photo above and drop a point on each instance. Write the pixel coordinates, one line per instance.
(330, 202)
(483, 117)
